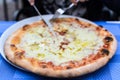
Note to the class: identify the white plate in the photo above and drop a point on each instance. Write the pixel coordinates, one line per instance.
(21, 23)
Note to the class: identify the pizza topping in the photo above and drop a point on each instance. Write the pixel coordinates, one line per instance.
(64, 44)
(76, 43)
(62, 33)
(41, 35)
(61, 29)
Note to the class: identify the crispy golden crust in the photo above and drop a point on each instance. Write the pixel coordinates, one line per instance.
(74, 68)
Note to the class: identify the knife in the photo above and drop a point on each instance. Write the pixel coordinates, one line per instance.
(46, 22)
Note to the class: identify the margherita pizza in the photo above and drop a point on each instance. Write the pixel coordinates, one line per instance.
(79, 48)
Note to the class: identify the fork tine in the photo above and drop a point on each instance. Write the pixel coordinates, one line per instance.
(61, 11)
(58, 12)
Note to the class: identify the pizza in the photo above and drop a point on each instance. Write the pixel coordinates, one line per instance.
(79, 47)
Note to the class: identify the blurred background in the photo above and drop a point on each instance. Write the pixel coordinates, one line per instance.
(8, 9)
(20, 9)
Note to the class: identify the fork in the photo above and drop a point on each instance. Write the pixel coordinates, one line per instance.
(61, 11)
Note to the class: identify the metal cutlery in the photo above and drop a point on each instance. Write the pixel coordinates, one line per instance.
(61, 11)
(46, 22)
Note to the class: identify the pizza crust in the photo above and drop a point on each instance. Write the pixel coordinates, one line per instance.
(26, 64)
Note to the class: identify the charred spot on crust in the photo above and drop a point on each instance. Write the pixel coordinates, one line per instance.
(108, 39)
(44, 66)
(105, 51)
(13, 47)
(25, 27)
(85, 26)
(76, 19)
(68, 67)
(19, 54)
(98, 28)
(106, 30)
(102, 27)
(89, 24)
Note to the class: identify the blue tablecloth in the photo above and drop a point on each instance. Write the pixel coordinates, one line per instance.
(111, 71)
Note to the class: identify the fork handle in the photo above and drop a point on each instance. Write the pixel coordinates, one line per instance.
(77, 0)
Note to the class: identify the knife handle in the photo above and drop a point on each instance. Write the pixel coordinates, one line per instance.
(32, 2)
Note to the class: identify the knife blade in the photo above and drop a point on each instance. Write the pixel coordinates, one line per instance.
(46, 22)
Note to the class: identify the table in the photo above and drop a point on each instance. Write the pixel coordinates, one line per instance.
(111, 71)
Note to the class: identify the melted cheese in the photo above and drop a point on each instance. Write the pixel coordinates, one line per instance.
(82, 42)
